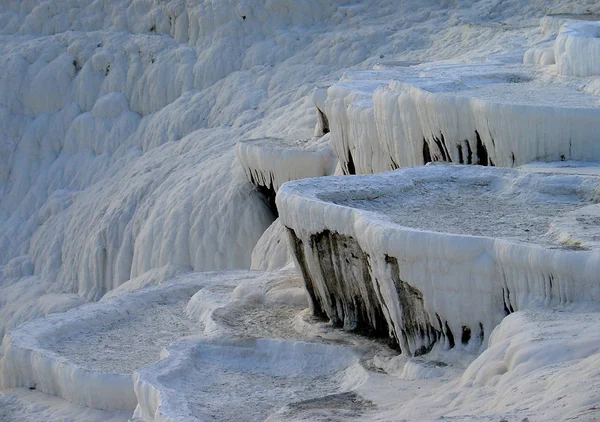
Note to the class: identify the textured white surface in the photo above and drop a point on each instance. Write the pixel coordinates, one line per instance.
(271, 162)
(119, 121)
(87, 355)
(97, 373)
(490, 272)
(491, 113)
(272, 251)
(577, 49)
(21, 405)
(254, 377)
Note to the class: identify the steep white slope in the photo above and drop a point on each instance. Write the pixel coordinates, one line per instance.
(272, 251)
(112, 163)
(83, 111)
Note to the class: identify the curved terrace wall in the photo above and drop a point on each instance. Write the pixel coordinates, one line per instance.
(368, 273)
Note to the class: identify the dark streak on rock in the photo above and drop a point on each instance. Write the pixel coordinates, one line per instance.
(482, 154)
(350, 169)
(447, 152)
(426, 152)
(508, 309)
(418, 334)
(324, 120)
(341, 287)
(449, 335)
(466, 335)
(351, 301)
(267, 193)
(469, 153)
(393, 340)
(441, 149)
(298, 249)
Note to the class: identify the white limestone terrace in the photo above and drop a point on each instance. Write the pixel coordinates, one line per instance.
(392, 254)
(489, 113)
(577, 49)
(543, 52)
(86, 355)
(270, 162)
(551, 24)
(260, 352)
(221, 380)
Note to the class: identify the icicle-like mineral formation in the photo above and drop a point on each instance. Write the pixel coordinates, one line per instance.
(438, 254)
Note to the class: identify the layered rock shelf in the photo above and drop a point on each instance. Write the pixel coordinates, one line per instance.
(270, 162)
(550, 26)
(577, 49)
(393, 254)
(489, 114)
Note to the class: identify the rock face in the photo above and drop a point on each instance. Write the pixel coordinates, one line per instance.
(375, 261)
(352, 299)
(343, 288)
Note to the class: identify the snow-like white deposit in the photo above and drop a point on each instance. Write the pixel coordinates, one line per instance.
(119, 120)
(577, 49)
(542, 365)
(23, 405)
(221, 380)
(272, 251)
(272, 162)
(386, 251)
(489, 114)
(118, 172)
(550, 26)
(86, 356)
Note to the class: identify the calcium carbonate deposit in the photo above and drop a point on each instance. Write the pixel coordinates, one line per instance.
(221, 210)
